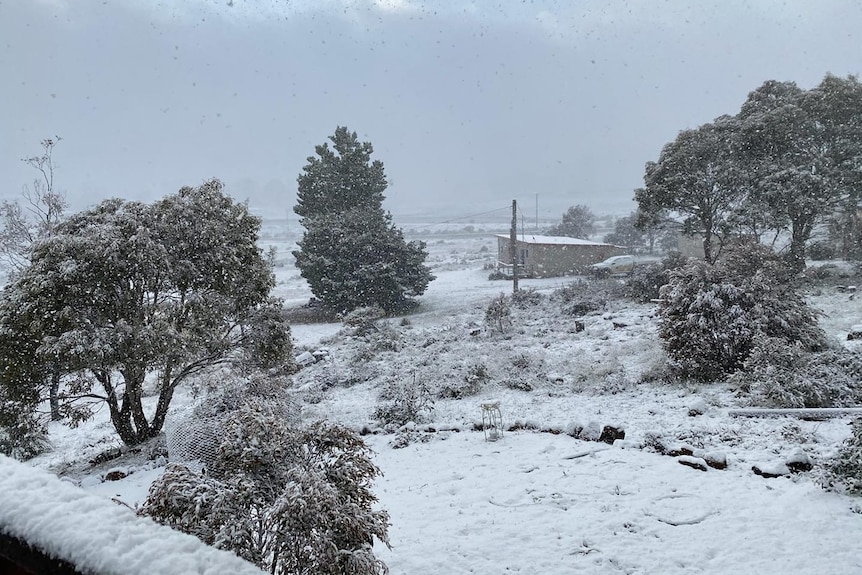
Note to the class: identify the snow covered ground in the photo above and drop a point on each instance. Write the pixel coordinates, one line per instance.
(543, 501)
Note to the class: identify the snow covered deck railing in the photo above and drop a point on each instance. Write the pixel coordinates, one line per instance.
(801, 413)
(45, 521)
(506, 269)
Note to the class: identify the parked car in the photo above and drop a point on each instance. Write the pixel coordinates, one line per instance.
(613, 266)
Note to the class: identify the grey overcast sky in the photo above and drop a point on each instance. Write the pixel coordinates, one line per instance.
(468, 103)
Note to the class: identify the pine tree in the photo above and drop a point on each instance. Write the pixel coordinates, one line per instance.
(351, 253)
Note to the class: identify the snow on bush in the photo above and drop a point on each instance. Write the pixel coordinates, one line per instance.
(193, 434)
(363, 319)
(583, 297)
(646, 280)
(712, 314)
(470, 384)
(498, 315)
(844, 471)
(22, 434)
(779, 373)
(292, 500)
(401, 402)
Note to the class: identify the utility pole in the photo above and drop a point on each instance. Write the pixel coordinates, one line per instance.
(513, 249)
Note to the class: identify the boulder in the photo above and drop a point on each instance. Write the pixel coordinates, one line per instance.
(771, 471)
(799, 462)
(115, 475)
(698, 407)
(592, 432)
(680, 449)
(304, 359)
(611, 433)
(693, 462)
(716, 459)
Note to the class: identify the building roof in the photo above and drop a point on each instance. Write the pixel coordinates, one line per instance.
(553, 240)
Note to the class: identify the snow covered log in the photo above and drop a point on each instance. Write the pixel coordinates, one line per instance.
(801, 413)
(47, 523)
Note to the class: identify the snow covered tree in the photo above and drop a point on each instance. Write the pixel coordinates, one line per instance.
(351, 254)
(803, 149)
(695, 179)
(577, 222)
(293, 500)
(785, 163)
(23, 226)
(626, 233)
(23, 382)
(127, 289)
(711, 315)
(43, 209)
(23, 386)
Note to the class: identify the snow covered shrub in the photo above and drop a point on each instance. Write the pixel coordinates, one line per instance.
(779, 373)
(292, 500)
(402, 402)
(363, 319)
(268, 343)
(645, 282)
(524, 298)
(476, 377)
(22, 434)
(844, 471)
(498, 315)
(821, 250)
(601, 378)
(711, 314)
(384, 338)
(194, 434)
(582, 297)
(407, 437)
(518, 384)
(572, 291)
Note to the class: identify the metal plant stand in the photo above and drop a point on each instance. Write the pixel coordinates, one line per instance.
(492, 421)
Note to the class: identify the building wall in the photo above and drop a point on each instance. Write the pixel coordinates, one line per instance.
(554, 260)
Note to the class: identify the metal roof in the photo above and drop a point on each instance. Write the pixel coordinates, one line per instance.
(553, 240)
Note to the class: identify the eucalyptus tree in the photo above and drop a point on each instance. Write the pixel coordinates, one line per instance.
(577, 222)
(696, 180)
(128, 290)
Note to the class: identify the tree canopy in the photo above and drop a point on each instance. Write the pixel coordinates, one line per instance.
(577, 222)
(694, 176)
(626, 233)
(351, 253)
(788, 160)
(127, 289)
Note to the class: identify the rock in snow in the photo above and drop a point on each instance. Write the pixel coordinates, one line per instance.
(770, 471)
(694, 462)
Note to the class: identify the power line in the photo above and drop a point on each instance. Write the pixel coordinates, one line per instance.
(475, 215)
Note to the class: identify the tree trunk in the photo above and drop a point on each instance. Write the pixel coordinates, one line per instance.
(54, 393)
(127, 413)
(165, 396)
(799, 235)
(707, 247)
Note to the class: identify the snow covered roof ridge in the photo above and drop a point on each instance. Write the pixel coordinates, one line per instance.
(96, 535)
(556, 240)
